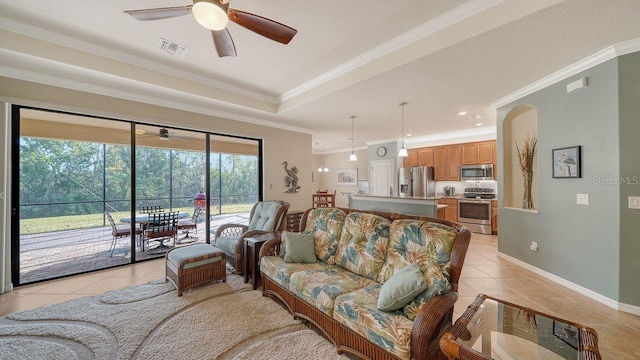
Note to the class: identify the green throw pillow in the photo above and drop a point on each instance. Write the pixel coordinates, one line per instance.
(401, 288)
(299, 248)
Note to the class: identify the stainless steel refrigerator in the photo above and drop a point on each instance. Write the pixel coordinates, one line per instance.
(416, 181)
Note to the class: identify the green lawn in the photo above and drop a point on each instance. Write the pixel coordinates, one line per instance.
(60, 223)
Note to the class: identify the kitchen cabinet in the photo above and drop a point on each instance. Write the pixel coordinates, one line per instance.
(494, 217)
(425, 156)
(484, 154)
(412, 159)
(477, 153)
(451, 211)
(469, 153)
(440, 163)
(448, 159)
(446, 162)
(453, 159)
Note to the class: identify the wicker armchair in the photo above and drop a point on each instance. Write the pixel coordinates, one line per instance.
(265, 217)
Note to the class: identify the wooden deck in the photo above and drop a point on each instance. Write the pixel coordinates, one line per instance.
(63, 253)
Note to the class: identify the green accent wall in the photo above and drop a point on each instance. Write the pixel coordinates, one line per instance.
(629, 85)
(579, 243)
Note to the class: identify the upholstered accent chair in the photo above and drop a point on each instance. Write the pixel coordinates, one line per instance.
(265, 217)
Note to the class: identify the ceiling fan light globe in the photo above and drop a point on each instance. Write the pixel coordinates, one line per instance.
(210, 15)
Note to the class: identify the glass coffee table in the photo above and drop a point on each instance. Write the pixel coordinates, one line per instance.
(491, 328)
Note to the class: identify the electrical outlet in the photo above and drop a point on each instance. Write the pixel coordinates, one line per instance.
(582, 199)
(534, 246)
(634, 202)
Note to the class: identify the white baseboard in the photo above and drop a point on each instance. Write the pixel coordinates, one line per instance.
(631, 309)
(7, 289)
(575, 287)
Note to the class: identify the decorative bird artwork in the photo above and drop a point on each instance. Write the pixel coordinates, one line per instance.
(291, 180)
(566, 162)
(565, 158)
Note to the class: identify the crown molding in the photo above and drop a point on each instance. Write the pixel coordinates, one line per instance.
(44, 71)
(598, 58)
(456, 15)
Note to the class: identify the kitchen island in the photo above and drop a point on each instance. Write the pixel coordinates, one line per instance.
(404, 205)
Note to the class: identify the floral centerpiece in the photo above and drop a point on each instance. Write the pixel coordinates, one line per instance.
(526, 155)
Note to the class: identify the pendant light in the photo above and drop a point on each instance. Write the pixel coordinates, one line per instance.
(403, 150)
(353, 156)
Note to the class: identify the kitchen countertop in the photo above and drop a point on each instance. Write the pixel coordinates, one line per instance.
(417, 198)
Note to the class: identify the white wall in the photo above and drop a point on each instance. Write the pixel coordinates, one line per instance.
(328, 180)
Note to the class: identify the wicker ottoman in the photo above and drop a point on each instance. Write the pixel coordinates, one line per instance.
(194, 265)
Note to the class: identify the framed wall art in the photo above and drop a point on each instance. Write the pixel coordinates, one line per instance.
(347, 176)
(566, 162)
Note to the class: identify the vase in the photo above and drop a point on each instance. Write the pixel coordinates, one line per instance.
(527, 199)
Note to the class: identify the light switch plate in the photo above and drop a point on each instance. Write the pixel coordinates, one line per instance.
(634, 202)
(582, 199)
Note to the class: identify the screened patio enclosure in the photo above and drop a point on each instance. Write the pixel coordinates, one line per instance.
(70, 170)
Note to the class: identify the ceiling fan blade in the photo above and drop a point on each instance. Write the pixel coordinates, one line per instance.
(160, 13)
(263, 26)
(224, 43)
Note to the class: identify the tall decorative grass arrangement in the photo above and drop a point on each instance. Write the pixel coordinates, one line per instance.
(526, 155)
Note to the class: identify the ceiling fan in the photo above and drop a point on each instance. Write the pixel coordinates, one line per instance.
(215, 15)
(163, 134)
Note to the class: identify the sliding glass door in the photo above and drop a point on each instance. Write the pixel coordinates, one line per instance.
(73, 172)
(81, 184)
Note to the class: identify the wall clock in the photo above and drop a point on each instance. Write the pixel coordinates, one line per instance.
(382, 151)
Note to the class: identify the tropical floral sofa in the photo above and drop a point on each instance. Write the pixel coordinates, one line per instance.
(357, 254)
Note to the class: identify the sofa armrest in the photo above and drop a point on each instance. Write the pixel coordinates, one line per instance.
(434, 318)
(270, 248)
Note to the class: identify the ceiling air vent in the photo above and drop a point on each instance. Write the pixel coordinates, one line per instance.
(171, 47)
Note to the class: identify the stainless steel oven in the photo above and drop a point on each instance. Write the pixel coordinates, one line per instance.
(475, 214)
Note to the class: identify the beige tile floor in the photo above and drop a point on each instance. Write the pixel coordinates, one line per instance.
(483, 272)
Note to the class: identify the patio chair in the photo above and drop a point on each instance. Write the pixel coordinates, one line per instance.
(117, 233)
(265, 217)
(151, 209)
(161, 226)
(190, 224)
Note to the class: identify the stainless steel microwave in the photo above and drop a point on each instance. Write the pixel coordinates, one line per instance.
(477, 172)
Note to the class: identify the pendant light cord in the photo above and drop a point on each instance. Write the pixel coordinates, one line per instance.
(402, 104)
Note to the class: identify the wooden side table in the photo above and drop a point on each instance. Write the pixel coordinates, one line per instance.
(293, 220)
(252, 247)
(493, 328)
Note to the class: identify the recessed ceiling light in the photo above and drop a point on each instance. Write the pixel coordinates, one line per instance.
(479, 124)
(474, 117)
(462, 113)
(409, 135)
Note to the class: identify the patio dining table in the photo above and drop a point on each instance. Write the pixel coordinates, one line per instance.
(143, 219)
